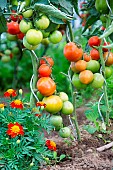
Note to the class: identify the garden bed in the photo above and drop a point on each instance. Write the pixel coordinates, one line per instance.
(82, 155)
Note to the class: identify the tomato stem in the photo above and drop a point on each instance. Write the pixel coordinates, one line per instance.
(70, 31)
(104, 86)
(35, 77)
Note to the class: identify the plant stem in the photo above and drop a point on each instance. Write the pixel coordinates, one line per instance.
(70, 31)
(72, 91)
(75, 117)
(104, 86)
(35, 66)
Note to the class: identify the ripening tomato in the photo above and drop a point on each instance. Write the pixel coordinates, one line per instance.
(20, 36)
(47, 60)
(44, 70)
(108, 56)
(67, 108)
(86, 57)
(46, 86)
(94, 41)
(14, 17)
(94, 53)
(72, 52)
(98, 81)
(13, 28)
(86, 76)
(53, 104)
(63, 96)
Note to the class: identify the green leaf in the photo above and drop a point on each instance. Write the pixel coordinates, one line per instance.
(66, 5)
(52, 27)
(3, 26)
(56, 20)
(90, 20)
(42, 2)
(62, 156)
(3, 3)
(91, 115)
(90, 129)
(75, 5)
(53, 11)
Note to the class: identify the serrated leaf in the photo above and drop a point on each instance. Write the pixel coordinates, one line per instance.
(91, 115)
(56, 20)
(75, 5)
(90, 129)
(3, 4)
(53, 11)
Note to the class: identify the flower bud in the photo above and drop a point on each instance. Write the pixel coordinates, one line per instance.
(20, 91)
(18, 141)
(31, 164)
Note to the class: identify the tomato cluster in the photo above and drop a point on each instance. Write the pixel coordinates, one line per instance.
(86, 67)
(33, 31)
(55, 103)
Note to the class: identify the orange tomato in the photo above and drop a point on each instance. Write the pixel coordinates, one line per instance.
(86, 76)
(72, 52)
(46, 86)
(108, 57)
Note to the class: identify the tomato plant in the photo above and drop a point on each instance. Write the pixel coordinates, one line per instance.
(63, 96)
(13, 28)
(42, 23)
(86, 76)
(46, 60)
(65, 132)
(94, 53)
(93, 66)
(67, 108)
(97, 81)
(56, 120)
(55, 37)
(94, 41)
(25, 26)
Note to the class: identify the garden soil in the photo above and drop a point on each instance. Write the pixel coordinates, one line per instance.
(82, 155)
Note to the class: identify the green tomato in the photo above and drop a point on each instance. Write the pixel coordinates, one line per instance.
(55, 37)
(108, 72)
(27, 45)
(25, 26)
(15, 50)
(5, 58)
(45, 34)
(77, 83)
(65, 132)
(63, 96)
(98, 81)
(42, 23)
(67, 108)
(11, 37)
(101, 6)
(7, 52)
(45, 41)
(56, 120)
(34, 37)
(93, 65)
(28, 13)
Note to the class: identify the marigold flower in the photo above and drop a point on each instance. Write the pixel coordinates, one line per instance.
(2, 105)
(15, 129)
(17, 104)
(38, 115)
(10, 93)
(51, 145)
(41, 104)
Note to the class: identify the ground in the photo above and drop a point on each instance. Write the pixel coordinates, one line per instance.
(82, 155)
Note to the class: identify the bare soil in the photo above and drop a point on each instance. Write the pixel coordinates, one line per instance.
(82, 155)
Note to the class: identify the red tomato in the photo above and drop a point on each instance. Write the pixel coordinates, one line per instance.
(48, 59)
(94, 41)
(94, 54)
(15, 17)
(44, 70)
(13, 28)
(20, 35)
(105, 49)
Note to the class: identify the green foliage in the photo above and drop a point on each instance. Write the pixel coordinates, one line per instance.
(21, 152)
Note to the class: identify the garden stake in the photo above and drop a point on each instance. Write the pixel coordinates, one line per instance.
(35, 78)
(104, 86)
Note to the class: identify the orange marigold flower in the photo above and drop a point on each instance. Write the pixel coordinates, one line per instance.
(51, 145)
(10, 93)
(17, 104)
(41, 104)
(38, 115)
(15, 129)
